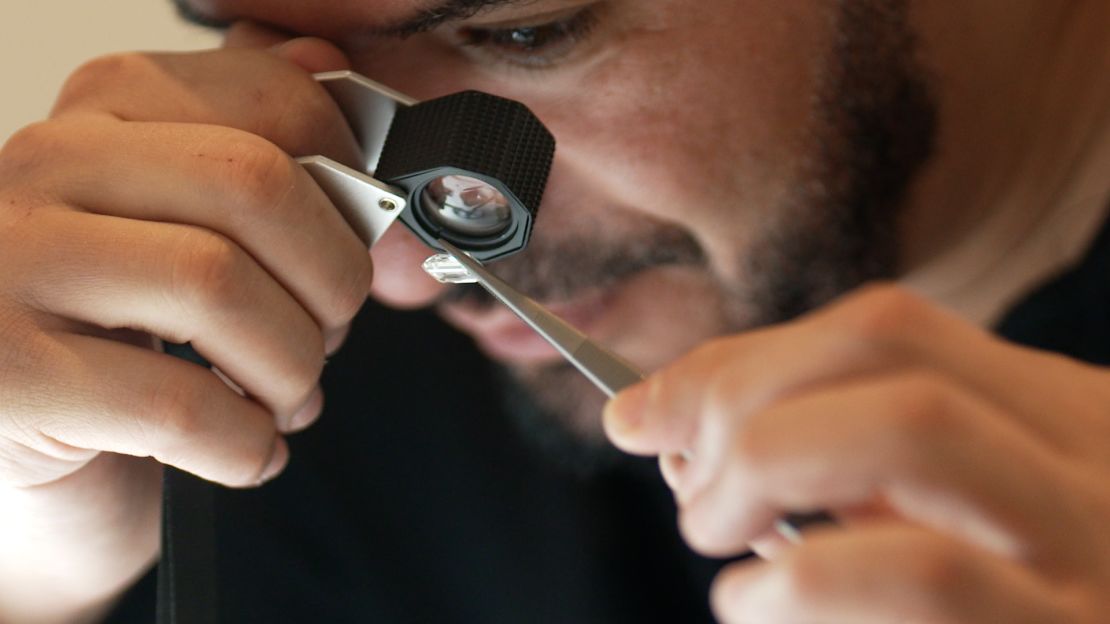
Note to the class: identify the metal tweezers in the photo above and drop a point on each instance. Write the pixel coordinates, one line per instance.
(607, 370)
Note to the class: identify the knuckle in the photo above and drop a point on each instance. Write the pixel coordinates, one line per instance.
(708, 370)
(351, 293)
(714, 349)
(808, 578)
(749, 451)
(88, 81)
(30, 139)
(207, 270)
(169, 421)
(260, 173)
(921, 407)
(173, 428)
(881, 314)
(305, 114)
(29, 148)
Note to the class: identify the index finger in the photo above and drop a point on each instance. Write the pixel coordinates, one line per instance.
(256, 91)
(878, 330)
(667, 412)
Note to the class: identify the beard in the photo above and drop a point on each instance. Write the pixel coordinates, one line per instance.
(872, 127)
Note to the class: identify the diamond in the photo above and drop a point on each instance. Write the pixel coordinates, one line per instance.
(445, 269)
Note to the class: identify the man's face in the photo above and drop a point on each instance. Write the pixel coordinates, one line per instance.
(720, 164)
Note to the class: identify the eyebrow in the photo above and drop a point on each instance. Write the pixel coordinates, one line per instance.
(425, 20)
(190, 14)
(446, 11)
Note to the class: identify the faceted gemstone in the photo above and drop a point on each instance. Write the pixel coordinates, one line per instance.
(445, 269)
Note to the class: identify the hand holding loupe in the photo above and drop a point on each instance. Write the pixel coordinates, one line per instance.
(468, 168)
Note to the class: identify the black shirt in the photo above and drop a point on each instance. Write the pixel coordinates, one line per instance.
(415, 500)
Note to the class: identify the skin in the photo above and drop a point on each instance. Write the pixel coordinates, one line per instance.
(158, 244)
(969, 488)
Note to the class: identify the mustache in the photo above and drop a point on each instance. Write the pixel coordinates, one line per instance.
(560, 268)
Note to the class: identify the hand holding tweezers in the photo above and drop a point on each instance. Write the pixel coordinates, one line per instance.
(606, 370)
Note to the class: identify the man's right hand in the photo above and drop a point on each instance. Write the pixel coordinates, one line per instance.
(160, 200)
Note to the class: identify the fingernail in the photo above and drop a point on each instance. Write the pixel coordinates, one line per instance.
(670, 466)
(696, 477)
(280, 47)
(335, 339)
(738, 590)
(624, 412)
(279, 457)
(308, 413)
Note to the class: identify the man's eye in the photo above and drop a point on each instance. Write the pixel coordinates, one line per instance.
(534, 46)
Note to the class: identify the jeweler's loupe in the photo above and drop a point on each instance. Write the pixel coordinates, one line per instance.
(469, 168)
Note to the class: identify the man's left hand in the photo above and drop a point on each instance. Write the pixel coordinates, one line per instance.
(970, 477)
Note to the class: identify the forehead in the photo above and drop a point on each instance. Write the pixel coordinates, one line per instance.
(317, 17)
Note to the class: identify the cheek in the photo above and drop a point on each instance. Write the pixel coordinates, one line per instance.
(706, 135)
(704, 130)
(418, 66)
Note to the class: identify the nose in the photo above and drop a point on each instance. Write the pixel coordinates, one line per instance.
(399, 277)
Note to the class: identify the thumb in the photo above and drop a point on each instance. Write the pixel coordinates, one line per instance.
(311, 54)
(244, 34)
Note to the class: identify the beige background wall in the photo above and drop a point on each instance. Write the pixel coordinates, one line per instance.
(42, 41)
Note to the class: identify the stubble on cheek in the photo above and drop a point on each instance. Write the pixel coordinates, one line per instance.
(869, 132)
(872, 129)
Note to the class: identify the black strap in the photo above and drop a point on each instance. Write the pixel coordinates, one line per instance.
(187, 587)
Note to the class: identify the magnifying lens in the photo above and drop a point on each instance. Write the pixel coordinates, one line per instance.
(466, 205)
(469, 168)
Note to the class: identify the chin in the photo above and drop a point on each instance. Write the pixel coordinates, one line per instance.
(555, 410)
